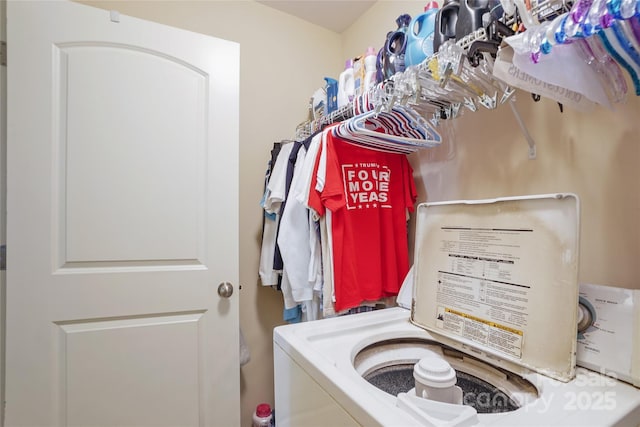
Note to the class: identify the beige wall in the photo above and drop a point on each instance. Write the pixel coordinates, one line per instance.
(595, 155)
(282, 62)
(284, 59)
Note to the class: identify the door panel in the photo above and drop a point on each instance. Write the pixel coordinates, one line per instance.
(122, 221)
(97, 380)
(101, 185)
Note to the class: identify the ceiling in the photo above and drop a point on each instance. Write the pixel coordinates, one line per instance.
(334, 15)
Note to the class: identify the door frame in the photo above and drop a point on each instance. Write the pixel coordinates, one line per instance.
(3, 204)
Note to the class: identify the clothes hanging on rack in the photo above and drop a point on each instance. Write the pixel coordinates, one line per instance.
(315, 171)
(368, 193)
(341, 198)
(297, 240)
(271, 201)
(268, 277)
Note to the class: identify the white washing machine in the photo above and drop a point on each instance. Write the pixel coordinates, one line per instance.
(495, 299)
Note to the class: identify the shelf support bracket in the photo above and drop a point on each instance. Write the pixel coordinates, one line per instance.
(523, 128)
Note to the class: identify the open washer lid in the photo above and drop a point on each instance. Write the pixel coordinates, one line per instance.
(498, 279)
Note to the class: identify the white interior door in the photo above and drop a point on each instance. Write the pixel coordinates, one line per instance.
(122, 221)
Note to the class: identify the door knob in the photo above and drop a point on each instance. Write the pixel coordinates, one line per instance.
(225, 289)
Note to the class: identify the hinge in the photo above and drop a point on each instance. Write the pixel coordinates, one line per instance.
(3, 53)
(3, 257)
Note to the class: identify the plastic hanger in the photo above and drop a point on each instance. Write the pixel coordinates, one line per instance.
(480, 84)
(396, 129)
(618, 53)
(608, 71)
(400, 130)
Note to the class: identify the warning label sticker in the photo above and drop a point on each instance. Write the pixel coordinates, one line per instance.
(489, 334)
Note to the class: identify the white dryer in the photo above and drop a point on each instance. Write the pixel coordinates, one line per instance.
(495, 297)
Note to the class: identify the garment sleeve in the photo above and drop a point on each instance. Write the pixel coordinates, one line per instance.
(277, 182)
(303, 183)
(314, 200)
(332, 195)
(321, 169)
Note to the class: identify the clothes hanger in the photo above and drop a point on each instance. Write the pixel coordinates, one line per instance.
(391, 129)
(604, 18)
(480, 86)
(616, 48)
(416, 88)
(397, 123)
(585, 19)
(375, 141)
(594, 53)
(399, 130)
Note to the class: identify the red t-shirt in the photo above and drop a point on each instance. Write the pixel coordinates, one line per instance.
(368, 193)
